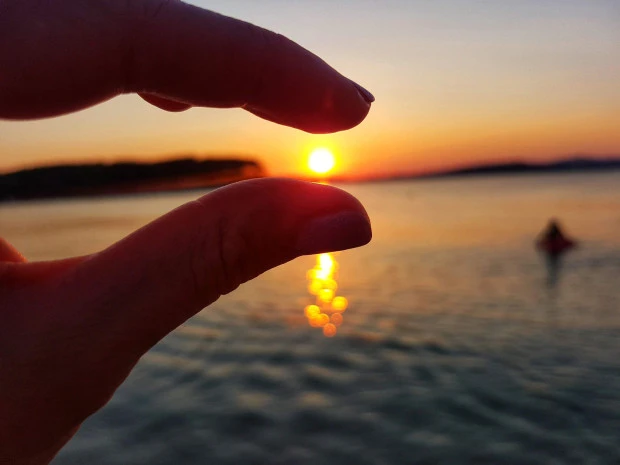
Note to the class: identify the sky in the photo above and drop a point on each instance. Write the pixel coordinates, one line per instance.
(457, 82)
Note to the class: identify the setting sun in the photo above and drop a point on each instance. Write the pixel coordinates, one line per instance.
(321, 161)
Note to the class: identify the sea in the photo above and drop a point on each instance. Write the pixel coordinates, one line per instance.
(460, 345)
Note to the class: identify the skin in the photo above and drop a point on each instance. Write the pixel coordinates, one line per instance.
(72, 330)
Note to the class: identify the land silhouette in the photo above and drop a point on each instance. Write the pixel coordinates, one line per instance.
(576, 164)
(79, 180)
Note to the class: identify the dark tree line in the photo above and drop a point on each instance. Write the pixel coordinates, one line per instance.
(89, 179)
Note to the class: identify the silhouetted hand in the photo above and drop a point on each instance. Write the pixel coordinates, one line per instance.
(72, 330)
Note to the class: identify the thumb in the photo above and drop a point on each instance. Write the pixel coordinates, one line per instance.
(131, 295)
(9, 254)
(92, 318)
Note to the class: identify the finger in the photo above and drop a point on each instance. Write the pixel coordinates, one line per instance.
(132, 294)
(84, 327)
(77, 55)
(207, 59)
(164, 103)
(9, 254)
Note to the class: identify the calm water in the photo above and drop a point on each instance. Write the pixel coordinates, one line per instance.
(455, 348)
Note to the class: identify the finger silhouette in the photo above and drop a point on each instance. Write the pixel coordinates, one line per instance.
(9, 254)
(165, 103)
(80, 325)
(166, 50)
(146, 285)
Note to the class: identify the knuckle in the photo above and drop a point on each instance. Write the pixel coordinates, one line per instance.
(232, 250)
(268, 44)
(138, 31)
(147, 9)
(218, 264)
(153, 8)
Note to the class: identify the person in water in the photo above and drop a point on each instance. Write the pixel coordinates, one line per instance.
(553, 241)
(72, 330)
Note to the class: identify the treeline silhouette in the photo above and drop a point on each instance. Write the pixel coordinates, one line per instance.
(583, 164)
(564, 166)
(126, 177)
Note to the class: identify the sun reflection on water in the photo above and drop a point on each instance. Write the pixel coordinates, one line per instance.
(326, 312)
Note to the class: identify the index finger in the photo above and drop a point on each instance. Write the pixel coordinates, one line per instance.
(86, 54)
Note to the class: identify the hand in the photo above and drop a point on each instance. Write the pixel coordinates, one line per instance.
(72, 330)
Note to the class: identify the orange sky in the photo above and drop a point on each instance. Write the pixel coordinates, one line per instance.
(456, 82)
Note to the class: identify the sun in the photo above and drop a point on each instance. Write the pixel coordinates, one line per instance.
(321, 161)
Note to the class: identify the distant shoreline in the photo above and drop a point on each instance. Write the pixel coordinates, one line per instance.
(579, 165)
(94, 180)
(187, 174)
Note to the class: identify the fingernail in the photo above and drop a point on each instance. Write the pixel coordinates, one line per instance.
(334, 232)
(366, 95)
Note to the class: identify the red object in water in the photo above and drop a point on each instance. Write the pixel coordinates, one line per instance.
(556, 246)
